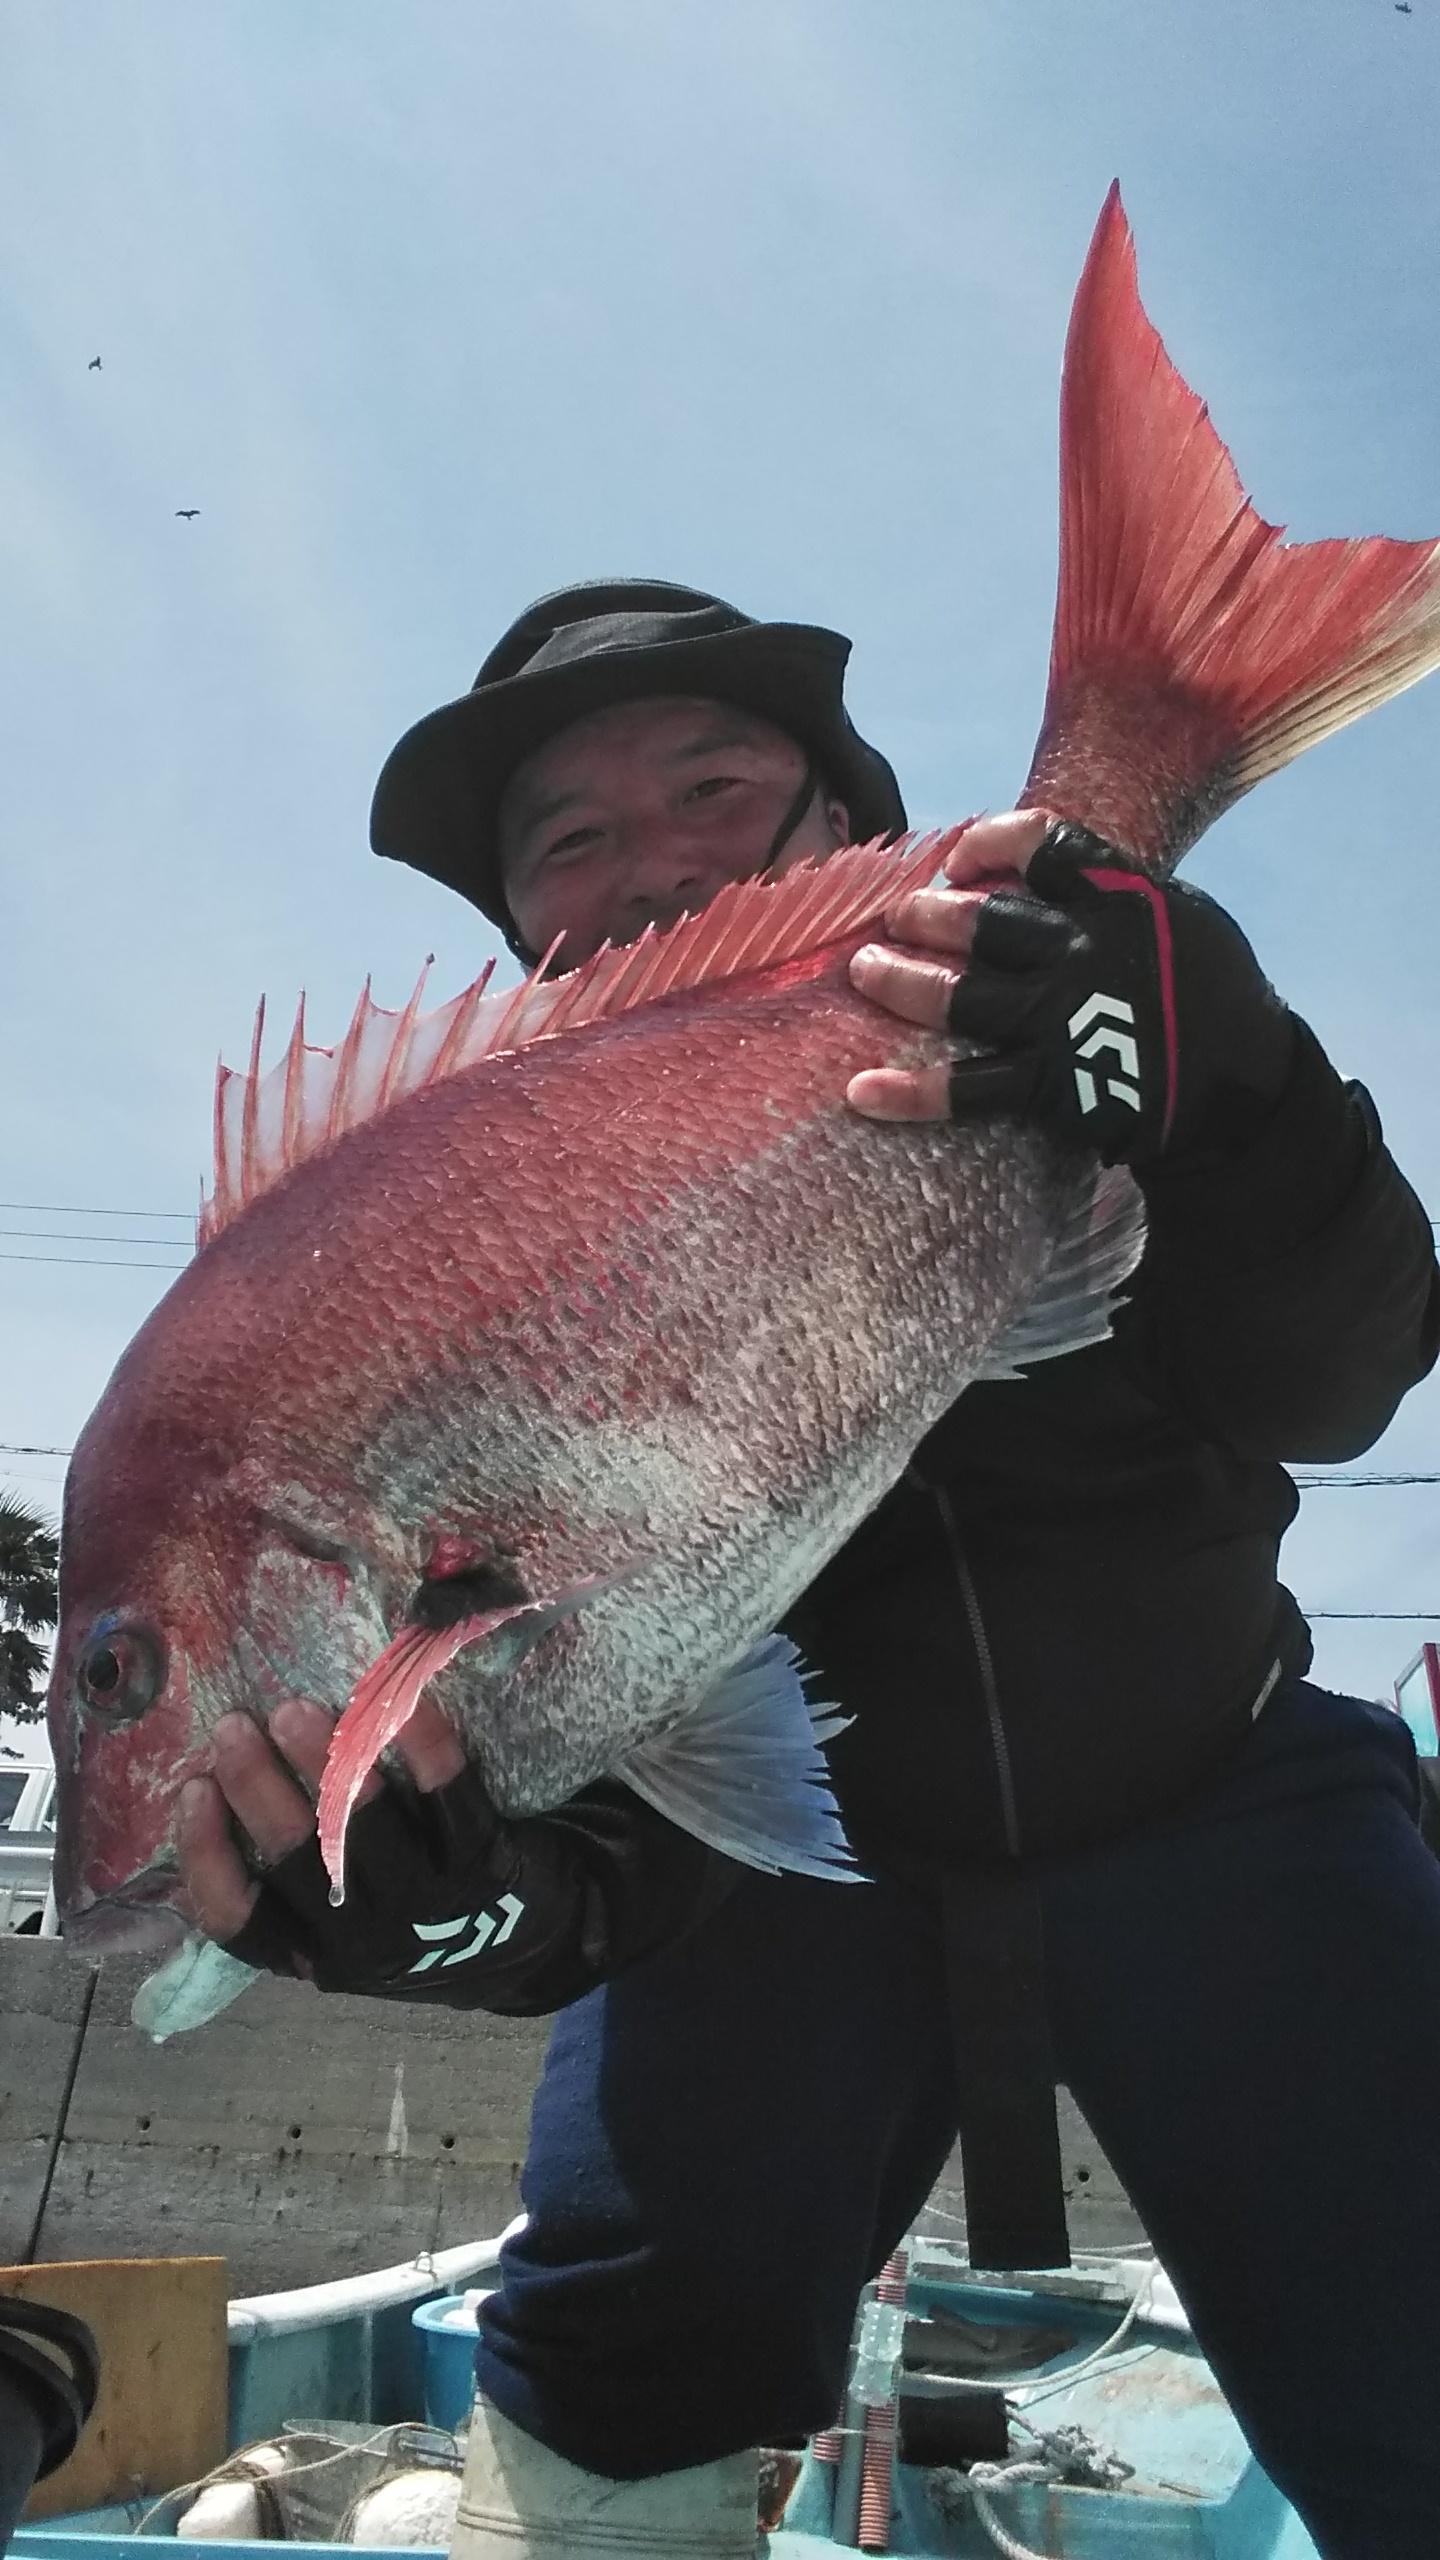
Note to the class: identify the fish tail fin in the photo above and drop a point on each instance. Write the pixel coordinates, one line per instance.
(1195, 650)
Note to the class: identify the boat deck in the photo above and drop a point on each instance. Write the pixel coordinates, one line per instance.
(294, 2135)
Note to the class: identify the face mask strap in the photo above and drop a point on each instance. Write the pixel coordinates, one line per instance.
(809, 785)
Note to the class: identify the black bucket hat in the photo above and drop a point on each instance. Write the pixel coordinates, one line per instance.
(437, 801)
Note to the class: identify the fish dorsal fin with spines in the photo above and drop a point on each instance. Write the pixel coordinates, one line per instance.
(268, 1123)
(1194, 652)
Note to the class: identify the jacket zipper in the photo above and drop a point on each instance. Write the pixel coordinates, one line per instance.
(989, 1685)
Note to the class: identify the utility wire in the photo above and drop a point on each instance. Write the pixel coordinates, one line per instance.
(1360, 1483)
(85, 1235)
(89, 1209)
(97, 1261)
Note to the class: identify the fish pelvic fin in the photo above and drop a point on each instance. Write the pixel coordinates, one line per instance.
(1195, 650)
(1098, 1248)
(268, 1122)
(385, 1698)
(745, 1773)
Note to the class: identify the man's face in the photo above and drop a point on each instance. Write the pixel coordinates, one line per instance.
(636, 814)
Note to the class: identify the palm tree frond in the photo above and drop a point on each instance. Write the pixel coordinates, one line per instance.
(29, 1569)
(23, 1670)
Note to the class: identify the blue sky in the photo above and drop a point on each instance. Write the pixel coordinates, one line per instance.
(431, 308)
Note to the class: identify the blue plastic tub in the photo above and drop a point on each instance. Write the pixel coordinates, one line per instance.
(448, 2328)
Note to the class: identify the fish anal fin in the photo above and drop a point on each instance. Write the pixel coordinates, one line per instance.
(744, 1771)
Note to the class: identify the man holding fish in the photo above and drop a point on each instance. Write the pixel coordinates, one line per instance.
(1107, 1829)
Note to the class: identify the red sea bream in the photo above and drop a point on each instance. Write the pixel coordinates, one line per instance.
(542, 1347)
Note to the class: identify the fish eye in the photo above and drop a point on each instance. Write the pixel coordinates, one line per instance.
(121, 1673)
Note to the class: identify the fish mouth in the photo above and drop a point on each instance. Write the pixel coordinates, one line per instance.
(139, 1920)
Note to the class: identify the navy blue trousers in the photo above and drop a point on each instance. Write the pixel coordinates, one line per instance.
(1245, 2000)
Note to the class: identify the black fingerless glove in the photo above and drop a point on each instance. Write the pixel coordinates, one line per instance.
(449, 1903)
(1128, 1012)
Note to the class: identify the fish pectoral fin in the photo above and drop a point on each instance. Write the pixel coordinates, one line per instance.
(199, 1981)
(1097, 1250)
(744, 1771)
(384, 1700)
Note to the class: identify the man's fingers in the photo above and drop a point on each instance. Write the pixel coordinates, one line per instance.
(430, 1748)
(900, 1093)
(272, 1797)
(916, 989)
(936, 919)
(219, 1893)
(258, 1786)
(428, 1745)
(303, 1732)
(993, 847)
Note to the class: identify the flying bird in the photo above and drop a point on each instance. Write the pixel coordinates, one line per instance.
(1404, 9)
(94, 365)
(187, 512)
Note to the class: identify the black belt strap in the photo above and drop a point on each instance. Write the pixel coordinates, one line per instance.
(1005, 2071)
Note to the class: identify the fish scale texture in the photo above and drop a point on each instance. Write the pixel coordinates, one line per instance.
(646, 1302)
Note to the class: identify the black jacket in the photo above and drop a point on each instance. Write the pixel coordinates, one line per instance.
(1071, 1604)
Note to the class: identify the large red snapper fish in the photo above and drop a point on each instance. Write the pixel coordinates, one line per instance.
(542, 1347)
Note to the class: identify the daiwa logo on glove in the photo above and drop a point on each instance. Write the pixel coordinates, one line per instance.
(485, 1924)
(1107, 1013)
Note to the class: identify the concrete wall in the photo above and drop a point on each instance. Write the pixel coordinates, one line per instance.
(300, 2137)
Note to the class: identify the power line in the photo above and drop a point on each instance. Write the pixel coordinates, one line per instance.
(90, 1209)
(84, 1235)
(1404, 1617)
(97, 1261)
(1354, 1483)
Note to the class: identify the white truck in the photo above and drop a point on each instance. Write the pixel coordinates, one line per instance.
(27, 1847)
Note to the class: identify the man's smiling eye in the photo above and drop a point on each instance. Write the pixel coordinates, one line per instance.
(579, 840)
(712, 785)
